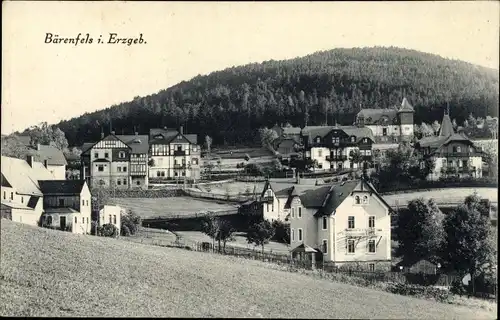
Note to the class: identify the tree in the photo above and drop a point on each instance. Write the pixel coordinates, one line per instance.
(467, 240)
(260, 233)
(425, 130)
(109, 230)
(130, 223)
(436, 126)
(454, 124)
(208, 143)
(211, 226)
(355, 157)
(226, 232)
(419, 231)
(13, 147)
(48, 135)
(267, 137)
(492, 124)
(417, 131)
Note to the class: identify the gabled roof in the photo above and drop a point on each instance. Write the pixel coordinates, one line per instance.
(138, 143)
(64, 210)
(315, 131)
(321, 131)
(291, 130)
(22, 177)
(63, 187)
(168, 135)
(358, 132)
(372, 116)
(303, 248)
(5, 182)
(53, 155)
(87, 146)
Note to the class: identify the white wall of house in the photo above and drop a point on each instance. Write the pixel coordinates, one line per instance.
(58, 171)
(478, 163)
(274, 210)
(443, 162)
(407, 129)
(326, 234)
(111, 214)
(361, 213)
(28, 215)
(302, 218)
(392, 129)
(319, 154)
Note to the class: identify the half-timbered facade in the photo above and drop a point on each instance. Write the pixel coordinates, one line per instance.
(332, 147)
(116, 161)
(174, 155)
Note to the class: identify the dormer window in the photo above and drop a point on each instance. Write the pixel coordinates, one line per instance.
(179, 137)
(365, 140)
(335, 139)
(137, 141)
(121, 155)
(459, 149)
(365, 199)
(357, 200)
(353, 139)
(269, 193)
(318, 140)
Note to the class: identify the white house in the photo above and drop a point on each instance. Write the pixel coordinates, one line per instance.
(67, 205)
(22, 199)
(348, 222)
(111, 215)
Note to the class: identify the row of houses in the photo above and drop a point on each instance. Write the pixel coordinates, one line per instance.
(37, 194)
(132, 161)
(332, 147)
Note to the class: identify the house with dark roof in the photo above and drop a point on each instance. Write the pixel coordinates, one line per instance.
(331, 147)
(116, 161)
(22, 198)
(389, 125)
(174, 155)
(454, 154)
(55, 159)
(66, 205)
(347, 222)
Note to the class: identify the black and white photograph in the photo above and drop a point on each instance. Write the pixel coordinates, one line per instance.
(309, 160)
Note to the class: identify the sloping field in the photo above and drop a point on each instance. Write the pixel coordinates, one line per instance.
(452, 196)
(53, 273)
(154, 207)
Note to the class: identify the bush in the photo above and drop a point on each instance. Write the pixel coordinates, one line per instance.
(437, 294)
(125, 231)
(109, 230)
(131, 221)
(282, 232)
(457, 287)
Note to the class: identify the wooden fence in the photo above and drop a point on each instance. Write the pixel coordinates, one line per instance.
(192, 215)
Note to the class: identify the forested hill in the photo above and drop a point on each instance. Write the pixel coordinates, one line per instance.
(325, 86)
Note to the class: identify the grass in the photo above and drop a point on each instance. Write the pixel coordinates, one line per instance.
(50, 273)
(153, 207)
(234, 188)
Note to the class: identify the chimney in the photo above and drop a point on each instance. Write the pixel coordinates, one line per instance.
(102, 135)
(113, 132)
(181, 130)
(46, 163)
(29, 159)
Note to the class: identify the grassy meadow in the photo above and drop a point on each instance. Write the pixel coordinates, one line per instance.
(52, 273)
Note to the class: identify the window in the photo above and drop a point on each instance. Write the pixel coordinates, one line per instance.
(124, 182)
(318, 140)
(119, 169)
(267, 207)
(293, 212)
(100, 168)
(87, 202)
(22, 199)
(368, 152)
(325, 246)
(124, 169)
(61, 202)
(384, 131)
(162, 173)
(365, 199)
(157, 173)
(371, 246)
(350, 222)
(12, 196)
(351, 246)
(299, 213)
(5, 195)
(195, 161)
(269, 193)
(119, 182)
(121, 154)
(325, 223)
(320, 153)
(357, 200)
(365, 140)
(300, 234)
(183, 173)
(371, 222)
(76, 220)
(371, 266)
(292, 234)
(138, 182)
(443, 162)
(96, 154)
(114, 218)
(49, 220)
(459, 149)
(106, 155)
(353, 139)
(83, 203)
(110, 221)
(179, 147)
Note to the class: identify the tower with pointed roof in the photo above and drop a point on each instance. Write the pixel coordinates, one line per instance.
(405, 119)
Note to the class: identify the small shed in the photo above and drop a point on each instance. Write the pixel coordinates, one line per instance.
(305, 253)
(420, 266)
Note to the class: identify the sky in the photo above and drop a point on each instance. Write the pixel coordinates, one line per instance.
(56, 81)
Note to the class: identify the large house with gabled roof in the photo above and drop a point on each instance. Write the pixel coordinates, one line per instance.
(174, 155)
(54, 157)
(454, 154)
(347, 222)
(331, 147)
(389, 125)
(116, 161)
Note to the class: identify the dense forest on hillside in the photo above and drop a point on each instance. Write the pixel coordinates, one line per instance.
(324, 87)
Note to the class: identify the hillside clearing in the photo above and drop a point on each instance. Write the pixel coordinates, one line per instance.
(53, 273)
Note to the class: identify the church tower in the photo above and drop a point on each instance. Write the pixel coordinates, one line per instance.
(405, 119)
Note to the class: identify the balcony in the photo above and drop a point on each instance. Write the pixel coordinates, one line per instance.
(179, 153)
(336, 158)
(180, 166)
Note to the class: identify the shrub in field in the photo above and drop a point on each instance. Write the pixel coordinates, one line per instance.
(125, 231)
(437, 294)
(260, 233)
(457, 287)
(282, 232)
(109, 230)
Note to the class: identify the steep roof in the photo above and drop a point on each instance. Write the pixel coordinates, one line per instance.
(5, 182)
(138, 143)
(22, 177)
(53, 155)
(87, 146)
(169, 135)
(406, 106)
(336, 195)
(358, 132)
(314, 131)
(291, 130)
(66, 187)
(446, 129)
